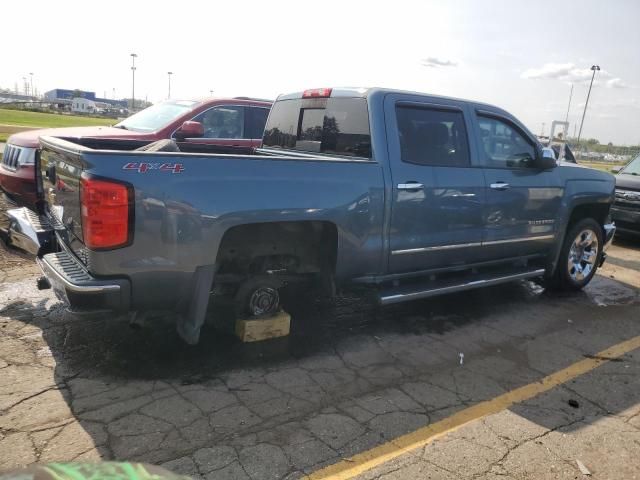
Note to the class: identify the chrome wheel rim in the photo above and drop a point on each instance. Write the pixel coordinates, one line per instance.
(264, 300)
(582, 255)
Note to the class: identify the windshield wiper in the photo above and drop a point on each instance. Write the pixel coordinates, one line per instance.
(120, 126)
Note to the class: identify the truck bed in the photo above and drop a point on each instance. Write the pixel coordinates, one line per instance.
(185, 202)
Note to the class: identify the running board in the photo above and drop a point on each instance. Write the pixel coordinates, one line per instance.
(415, 292)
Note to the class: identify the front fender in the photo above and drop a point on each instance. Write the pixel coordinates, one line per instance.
(580, 194)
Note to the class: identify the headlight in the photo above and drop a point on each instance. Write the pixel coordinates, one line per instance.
(27, 156)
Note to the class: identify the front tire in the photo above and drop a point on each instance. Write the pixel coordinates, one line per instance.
(580, 256)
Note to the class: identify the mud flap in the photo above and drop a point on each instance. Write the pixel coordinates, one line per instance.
(189, 325)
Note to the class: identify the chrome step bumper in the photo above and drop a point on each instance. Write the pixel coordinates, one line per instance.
(75, 286)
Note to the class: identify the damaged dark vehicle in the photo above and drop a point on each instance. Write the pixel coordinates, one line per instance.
(626, 209)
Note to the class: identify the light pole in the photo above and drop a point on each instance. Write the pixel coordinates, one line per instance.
(133, 81)
(595, 69)
(211, 92)
(169, 75)
(31, 75)
(566, 118)
(25, 85)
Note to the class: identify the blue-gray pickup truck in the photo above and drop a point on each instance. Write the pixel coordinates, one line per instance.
(413, 194)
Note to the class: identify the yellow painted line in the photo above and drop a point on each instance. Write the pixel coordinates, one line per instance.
(364, 461)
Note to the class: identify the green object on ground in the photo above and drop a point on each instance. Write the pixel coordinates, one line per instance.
(92, 471)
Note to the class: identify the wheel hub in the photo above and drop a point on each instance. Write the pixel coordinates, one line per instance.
(583, 255)
(264, 300)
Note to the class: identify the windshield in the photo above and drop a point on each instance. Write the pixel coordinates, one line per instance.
(633, 167)
(157, 116)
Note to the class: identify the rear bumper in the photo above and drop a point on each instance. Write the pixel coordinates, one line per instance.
(70, 280)
(76, 287)
(24, 229)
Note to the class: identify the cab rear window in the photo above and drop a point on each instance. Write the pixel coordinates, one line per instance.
(337, 126)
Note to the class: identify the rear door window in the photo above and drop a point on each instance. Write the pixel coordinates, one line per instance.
(320, 125)
(432, 136)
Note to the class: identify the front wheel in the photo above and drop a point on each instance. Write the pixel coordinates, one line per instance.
(580, 256)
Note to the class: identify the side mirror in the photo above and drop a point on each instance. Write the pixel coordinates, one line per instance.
(546, 160)
(616, 169)
(190, 129)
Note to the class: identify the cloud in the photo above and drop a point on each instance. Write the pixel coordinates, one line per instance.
(549, 70)
(433, 62)
(616, 83)
(605, 116)
(627, 103)
(569, 73)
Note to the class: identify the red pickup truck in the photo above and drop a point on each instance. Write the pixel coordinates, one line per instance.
(216, 125)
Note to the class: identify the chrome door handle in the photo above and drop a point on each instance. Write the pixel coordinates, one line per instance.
(410, 186)
(500, 186)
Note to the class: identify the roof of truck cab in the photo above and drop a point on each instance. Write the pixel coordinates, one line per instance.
(200, 101)
(365, 92)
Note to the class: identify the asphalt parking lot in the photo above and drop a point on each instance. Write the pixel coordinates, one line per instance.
(463, 386)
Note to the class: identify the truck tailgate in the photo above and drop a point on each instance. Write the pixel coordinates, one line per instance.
(59, 167)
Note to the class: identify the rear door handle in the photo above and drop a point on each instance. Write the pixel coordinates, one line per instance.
(500, 186)
(410, 186)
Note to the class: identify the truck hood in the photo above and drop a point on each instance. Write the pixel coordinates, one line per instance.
(30, 137)
(628, 182)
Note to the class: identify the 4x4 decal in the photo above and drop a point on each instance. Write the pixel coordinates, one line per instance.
(144, 167)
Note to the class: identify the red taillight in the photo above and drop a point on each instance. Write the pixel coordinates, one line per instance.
(317, 93)
(105, 213)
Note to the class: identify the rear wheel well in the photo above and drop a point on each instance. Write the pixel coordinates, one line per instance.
(287, 248)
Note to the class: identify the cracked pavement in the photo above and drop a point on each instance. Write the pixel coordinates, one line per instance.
(350, 377)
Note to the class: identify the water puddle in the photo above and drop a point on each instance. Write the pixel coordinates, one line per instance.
(605, 292)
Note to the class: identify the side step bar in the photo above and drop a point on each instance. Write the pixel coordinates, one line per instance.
(415, 292)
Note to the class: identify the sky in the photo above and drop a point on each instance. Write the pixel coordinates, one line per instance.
(522, 56)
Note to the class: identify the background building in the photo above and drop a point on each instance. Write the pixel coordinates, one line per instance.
(7, 97)
(82, 105)
(64, 96)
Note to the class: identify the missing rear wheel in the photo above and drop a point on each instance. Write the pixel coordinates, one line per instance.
(258, 296)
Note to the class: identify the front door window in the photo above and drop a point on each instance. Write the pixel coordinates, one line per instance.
(222, 122)
(503, 145)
